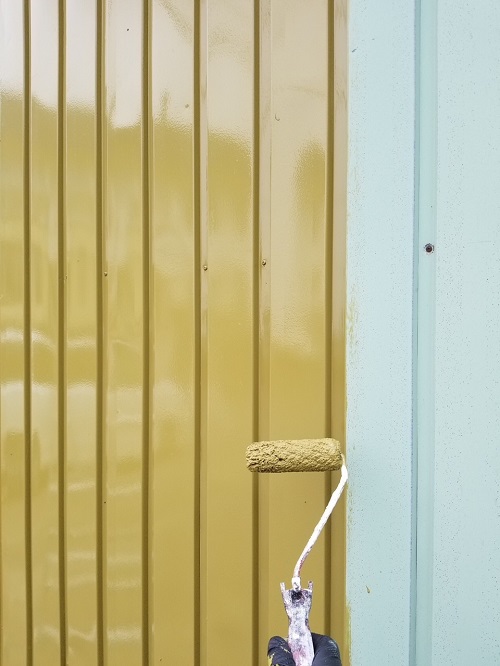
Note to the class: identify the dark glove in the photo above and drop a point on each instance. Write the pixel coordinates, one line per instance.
(326, 652)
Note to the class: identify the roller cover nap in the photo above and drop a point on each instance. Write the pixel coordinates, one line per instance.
(294, 455)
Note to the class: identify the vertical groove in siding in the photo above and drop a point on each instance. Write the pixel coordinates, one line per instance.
(100, 409)
(264, 207)
(264, 300)
(256, 328)
(146, 332)
(61, 342)
(337, 113)
(197, 332)
(27, 328)
(329, 307)
(422, 600)
(201, 267)
(197, 179)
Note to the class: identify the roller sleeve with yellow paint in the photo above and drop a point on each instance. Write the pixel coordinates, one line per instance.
(294, 455)
(300, 455)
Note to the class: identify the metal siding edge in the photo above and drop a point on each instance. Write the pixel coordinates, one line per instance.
(338, 127)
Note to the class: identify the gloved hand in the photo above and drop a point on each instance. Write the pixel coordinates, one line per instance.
(326, 652)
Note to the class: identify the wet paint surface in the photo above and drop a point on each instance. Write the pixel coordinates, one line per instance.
(166, 299)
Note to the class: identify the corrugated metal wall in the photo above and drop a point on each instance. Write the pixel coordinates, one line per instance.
(171, 289)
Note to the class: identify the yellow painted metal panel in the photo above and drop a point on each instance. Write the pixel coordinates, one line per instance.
(174, 473)
(13, 438)
(299, 289)
(172, 288)
(45, 311)
(124, 325)
(81, 445)
(227, 333)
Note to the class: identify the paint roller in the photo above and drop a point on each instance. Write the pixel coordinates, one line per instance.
(300, 455)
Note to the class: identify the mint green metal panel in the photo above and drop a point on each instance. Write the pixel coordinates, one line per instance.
(465, 538)
(379, 323)
(423, 356)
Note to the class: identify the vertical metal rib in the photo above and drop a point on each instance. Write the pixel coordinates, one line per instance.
(256, 330)
(196, 277)
(422, 565)
(27, 330)
(61, 342)
(146, 349)
(200, 267)
(338, 63)
(264, 97)
(100, 408)
(329, 305)
(264, 207)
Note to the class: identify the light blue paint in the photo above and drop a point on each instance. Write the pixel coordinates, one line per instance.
(424, 330)
(466, 578)
(423, 357)
(380, 315)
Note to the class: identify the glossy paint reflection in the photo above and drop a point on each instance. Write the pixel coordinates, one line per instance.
(173, 334)
(13, 564)
(300, 283)
(46, 409)
(165, 294)
(12, 365)
(80, 267)
(123, 342)
(226, 377)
